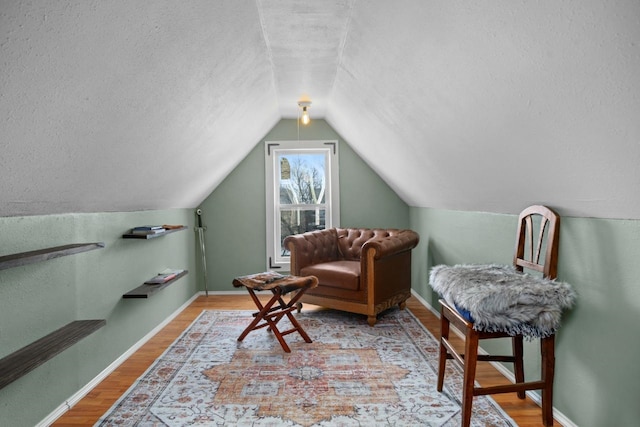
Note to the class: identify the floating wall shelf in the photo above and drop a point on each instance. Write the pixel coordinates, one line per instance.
(152, 236)
(145, 291)
(28, 358)
(24, 258)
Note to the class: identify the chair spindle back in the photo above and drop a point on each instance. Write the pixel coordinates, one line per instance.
(546, 241)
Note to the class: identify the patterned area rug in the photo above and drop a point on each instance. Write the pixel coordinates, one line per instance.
(351, 375)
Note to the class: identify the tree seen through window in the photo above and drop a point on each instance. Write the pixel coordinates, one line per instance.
(302, 192)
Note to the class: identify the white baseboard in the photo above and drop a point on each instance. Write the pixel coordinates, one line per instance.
(70, 402)
(425, 303)
(557, 415)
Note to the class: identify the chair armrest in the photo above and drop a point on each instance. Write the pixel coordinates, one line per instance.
(395, 243)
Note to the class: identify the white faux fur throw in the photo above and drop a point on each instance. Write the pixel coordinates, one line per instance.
(501, 299)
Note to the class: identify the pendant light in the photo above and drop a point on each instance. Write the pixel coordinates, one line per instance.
(304, 118)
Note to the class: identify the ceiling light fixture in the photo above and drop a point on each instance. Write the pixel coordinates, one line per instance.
(305, 114)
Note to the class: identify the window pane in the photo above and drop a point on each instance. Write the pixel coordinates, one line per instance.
(295, 221)
(302, 178)
(302, 192)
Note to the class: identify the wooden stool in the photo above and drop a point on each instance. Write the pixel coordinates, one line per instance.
(271, 313)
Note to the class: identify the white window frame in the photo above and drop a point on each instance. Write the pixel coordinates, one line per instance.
(275, 259)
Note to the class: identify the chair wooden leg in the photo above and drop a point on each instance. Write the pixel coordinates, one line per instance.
(273, 328)
(548, 367)
(444, 335)
(259, 316)
(470, 362)
(297, 327)
(518, 364)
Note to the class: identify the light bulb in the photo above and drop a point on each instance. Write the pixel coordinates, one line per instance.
(305, 116)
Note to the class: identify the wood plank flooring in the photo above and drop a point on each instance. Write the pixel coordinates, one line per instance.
(86, 412)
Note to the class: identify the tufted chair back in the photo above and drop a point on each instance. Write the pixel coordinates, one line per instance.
(317, 247)
(351, 240)
(335, 244)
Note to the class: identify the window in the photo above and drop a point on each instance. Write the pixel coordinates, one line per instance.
(302, 192)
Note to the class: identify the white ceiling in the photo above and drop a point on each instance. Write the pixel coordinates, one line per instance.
(483, 106)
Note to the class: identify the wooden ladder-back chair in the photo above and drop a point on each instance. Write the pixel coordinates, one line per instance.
(528, 254)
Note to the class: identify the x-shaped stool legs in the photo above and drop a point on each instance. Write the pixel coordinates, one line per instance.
(276, 308)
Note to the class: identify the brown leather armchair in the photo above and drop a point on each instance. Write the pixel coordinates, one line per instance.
(359, 270)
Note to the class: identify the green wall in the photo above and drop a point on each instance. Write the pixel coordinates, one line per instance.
(235, 217)
(597, 349)
(38, 298)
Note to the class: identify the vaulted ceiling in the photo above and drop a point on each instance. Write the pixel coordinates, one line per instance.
(483, 106)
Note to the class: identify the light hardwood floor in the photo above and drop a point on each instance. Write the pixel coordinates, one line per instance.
(86, 412)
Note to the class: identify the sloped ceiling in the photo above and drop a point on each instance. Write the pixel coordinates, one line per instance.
(483, 106)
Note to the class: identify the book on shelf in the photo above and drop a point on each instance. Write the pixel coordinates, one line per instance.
(174, 271)
(148, 227)
(171, 227)
(160, 279)
(164, 276)
(146, 232)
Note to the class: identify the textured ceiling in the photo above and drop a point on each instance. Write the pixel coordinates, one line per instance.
(483, 106)
(305, 40)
